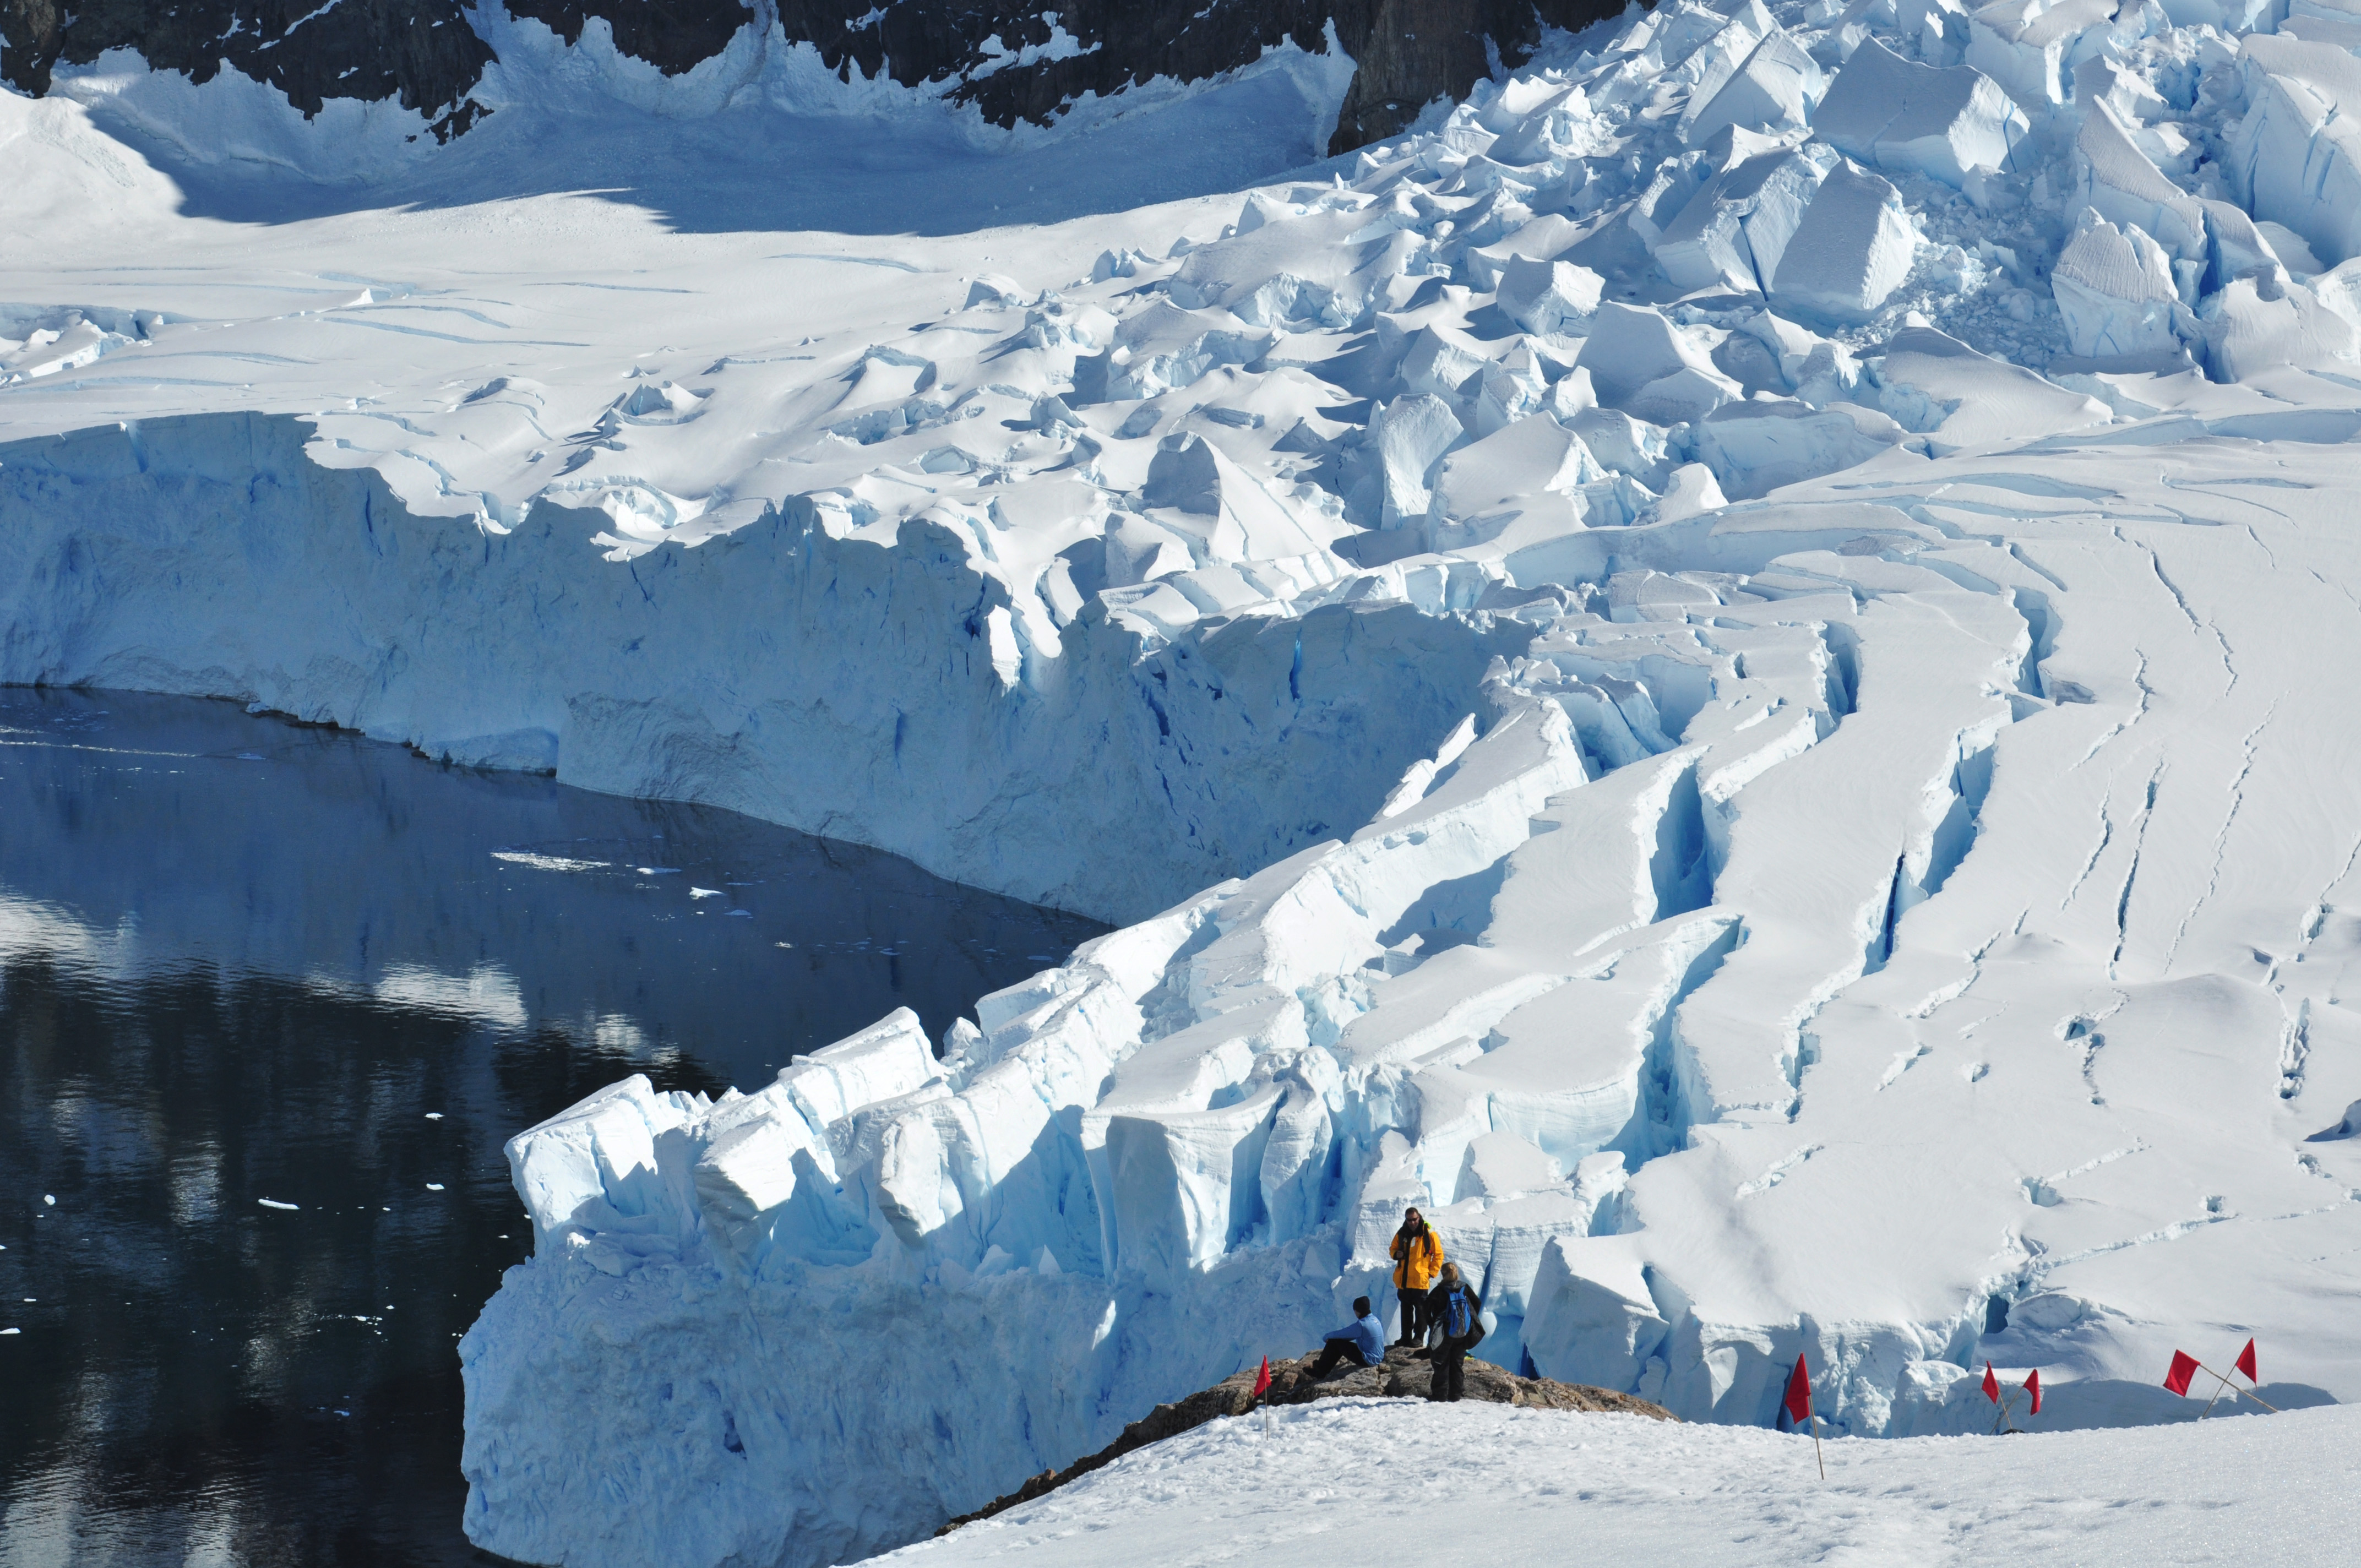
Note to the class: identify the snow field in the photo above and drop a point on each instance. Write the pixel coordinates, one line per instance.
(1731, 692)
(1384, 1483)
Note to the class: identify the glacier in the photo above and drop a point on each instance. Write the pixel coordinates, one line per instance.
(1709, 683)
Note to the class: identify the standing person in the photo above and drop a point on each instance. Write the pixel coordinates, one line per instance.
(1453, 1307)
(1418, 1255)
(1361, 1341)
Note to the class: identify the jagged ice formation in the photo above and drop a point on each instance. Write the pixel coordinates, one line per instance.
(1721, 669)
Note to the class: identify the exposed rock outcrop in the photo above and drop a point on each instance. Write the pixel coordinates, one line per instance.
(1401, 1376)
(1012, 60)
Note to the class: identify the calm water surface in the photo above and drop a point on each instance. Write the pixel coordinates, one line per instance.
(242, 961)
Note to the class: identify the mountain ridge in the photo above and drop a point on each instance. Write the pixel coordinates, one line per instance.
(1012, 63)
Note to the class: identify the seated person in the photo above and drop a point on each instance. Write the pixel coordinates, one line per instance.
(1361, 1341)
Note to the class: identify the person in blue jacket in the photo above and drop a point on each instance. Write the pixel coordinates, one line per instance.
(1361, 1341)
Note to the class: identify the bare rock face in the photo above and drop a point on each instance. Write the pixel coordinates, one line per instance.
(1014, 60)
(1401, 1376)
(422, 52)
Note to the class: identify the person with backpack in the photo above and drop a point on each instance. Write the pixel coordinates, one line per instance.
(1455, 1310)
(1417, 1254)
(1361, 1341)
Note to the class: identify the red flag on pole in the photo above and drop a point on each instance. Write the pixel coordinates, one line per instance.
(1992, 1385)
(2245, 1362)
(2184, 1367)
(1799, 1393)
(1262, 1379)
(2032, 1386)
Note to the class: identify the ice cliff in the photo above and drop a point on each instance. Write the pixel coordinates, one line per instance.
(1707, 669)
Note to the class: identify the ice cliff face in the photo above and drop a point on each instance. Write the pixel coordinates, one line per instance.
(1721, 672)
(1013, 62)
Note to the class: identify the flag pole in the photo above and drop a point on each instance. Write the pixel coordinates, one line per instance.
(2257, 1398)
(1816, 1446)
(2217, 1393)
(2003, 1414)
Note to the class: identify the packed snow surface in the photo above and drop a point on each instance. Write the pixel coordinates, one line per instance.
(1378, 1483)
(1734, 693)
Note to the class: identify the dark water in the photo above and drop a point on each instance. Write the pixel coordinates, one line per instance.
(244, 960)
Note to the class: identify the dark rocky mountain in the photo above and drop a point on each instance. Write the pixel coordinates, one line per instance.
(424, 53)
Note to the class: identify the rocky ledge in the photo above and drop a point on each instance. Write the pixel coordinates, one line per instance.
(1401, 1376)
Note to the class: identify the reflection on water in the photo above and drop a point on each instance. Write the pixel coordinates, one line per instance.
(243, 961)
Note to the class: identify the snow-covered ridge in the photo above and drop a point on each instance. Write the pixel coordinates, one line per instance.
(1811, 635)
(1333, 1481)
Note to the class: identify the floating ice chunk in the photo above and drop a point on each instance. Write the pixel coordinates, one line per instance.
(1550, 297)
(1411, 434)
(2296, 157)
(434, 1187)
(1853, 250)
(704, 892)
(1775, 90)
(275, 1203)
(2024, 44)
(2114, 291)
(1753, 448)
(50, 1200)
(1905, 118)
(5, 1332)
(547, 863)
(435, 1115)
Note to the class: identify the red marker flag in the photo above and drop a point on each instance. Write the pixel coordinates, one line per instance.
(2032, 1386)
(2184, 1367)
(1799, 1393)
(2245, 1362)
(1262, 1379)
(1992, 1385)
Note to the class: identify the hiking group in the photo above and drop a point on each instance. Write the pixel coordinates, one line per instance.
(1441, 1313)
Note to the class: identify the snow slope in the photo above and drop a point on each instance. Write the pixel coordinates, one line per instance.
(1732, 692)
(1338, 1483)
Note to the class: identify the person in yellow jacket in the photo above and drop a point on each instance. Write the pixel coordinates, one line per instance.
(1418, 1255)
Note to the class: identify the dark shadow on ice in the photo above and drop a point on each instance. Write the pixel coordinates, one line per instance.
(757, 169)
(2349, 1127)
